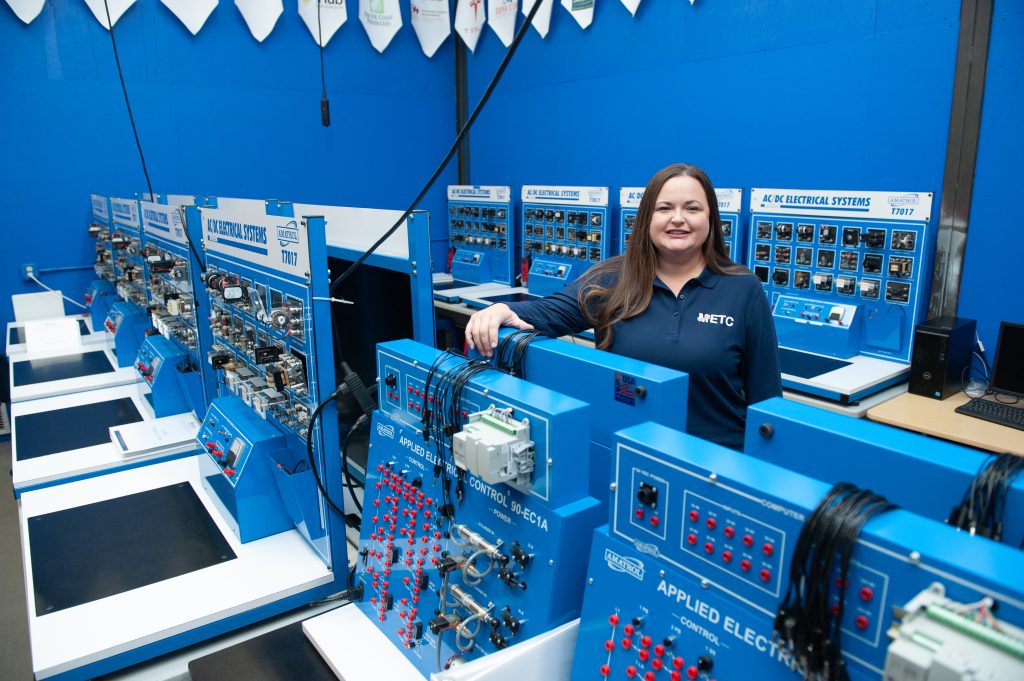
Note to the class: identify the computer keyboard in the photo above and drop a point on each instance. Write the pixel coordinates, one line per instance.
(1011, 415)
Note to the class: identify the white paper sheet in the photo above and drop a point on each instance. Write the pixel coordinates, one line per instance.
(581, 10)
(333, 13)
(632, 5)
(501, 15)
(542, 20)
(382, 19)
(117, 8)
(27, 10)
(170, 433)
(260, 16)
(42, 305)
(469, 21)
(431, 22)
(45, 335)
(192, 13)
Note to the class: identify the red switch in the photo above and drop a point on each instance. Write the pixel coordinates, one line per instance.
(605, 670)
(768, 549)
(709, 547)
(745, 565)
(727, 556)
(861, 622)
(654, 521)
(866, 594)
(748, 540)
(711, 523)
(729, 531)
(694, 516)
(765, 575)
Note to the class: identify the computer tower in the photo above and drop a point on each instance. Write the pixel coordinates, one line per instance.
(941, 355)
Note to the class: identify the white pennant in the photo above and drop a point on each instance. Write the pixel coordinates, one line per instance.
(581, 10)
(117, 8)
(192, 13)
(260, 16)
(431, 23)
(501, 15)
(631, 5)
(542, 20)
(381, 19)
(469, 21)
(27, 10)
(333, 13)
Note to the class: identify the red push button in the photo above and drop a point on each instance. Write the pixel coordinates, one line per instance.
(654, 521)
(861, 622)
(709, 547)
(609, 645)
(691, 539)
(649, 676)
(866, 594)
(745, 565)
(639, 513)
(627, 643)
(675, 676)
(748, 540)
(613, 620)
(694, 516)
(765, 575)
(835, 609)
(631, 671)
(726, 556)
(678, 662)
(643, 655)
(691, 672)
(656, 663)
(711, 523)
(659, 650)
(605, 670)
(768, 549)
(628, 630)
(729, 531)
(645, 641)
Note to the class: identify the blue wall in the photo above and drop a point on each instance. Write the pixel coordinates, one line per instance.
(991, 289)
(218, 113)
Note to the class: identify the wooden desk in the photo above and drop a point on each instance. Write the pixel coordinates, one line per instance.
(937, 418)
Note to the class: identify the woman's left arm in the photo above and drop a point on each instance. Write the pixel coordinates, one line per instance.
(760, 368)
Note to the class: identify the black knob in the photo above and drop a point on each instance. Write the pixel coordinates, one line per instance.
(766, 430)
(705, 663)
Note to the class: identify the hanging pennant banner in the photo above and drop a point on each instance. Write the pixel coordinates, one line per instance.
(581, 10)
(333, 13)
(542, 20)
(501, 15)
(632, 5)
(117, 8)
(27, 10)
(469, 21)
(381, 19)
(260, 16)
(431, 22)
(192, 13)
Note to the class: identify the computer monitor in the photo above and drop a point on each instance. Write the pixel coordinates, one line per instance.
(1008, 372)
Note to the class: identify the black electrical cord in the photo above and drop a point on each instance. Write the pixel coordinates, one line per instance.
(983, 506)
(360, 422)
(325, 105)
(451, 152)
(124, 89)
(309, 450)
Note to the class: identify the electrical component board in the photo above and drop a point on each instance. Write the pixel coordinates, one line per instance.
(266, 280)
(845, 272)
(481, 235)
(453, 566)
(729, 206)
(175, 277)
(925, 475)
(687, 578)
(127, 320)
(565, 231)
(101, 292)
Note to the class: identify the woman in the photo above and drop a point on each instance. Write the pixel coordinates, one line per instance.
(675, 299)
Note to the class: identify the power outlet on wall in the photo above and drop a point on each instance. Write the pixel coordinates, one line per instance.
(27, 272)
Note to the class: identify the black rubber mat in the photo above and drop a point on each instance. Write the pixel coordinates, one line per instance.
(83, 554)
(806, 365)
(17, 335)
(280, 655)
(76, 365)
(62, 430)
(507, 298)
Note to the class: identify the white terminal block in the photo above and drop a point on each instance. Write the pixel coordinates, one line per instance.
(496, 448)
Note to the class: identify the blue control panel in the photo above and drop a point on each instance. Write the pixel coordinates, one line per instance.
(456, 562)
(729, 206)
(128, 323)
(844, 248)
(174, 278)
(174, 383)
(566, 230)
(101, 292)
(267, 285)
(481, 234)
(243, 455)
(695, 593)
(925, 475)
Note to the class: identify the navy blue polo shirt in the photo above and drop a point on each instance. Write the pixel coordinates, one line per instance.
(718, 329)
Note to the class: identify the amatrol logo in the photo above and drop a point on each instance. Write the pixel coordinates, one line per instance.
(289, 234)
(386, 430)
(634, 567)
(903, 200)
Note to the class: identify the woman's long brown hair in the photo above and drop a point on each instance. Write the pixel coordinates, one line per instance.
(605, 306)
